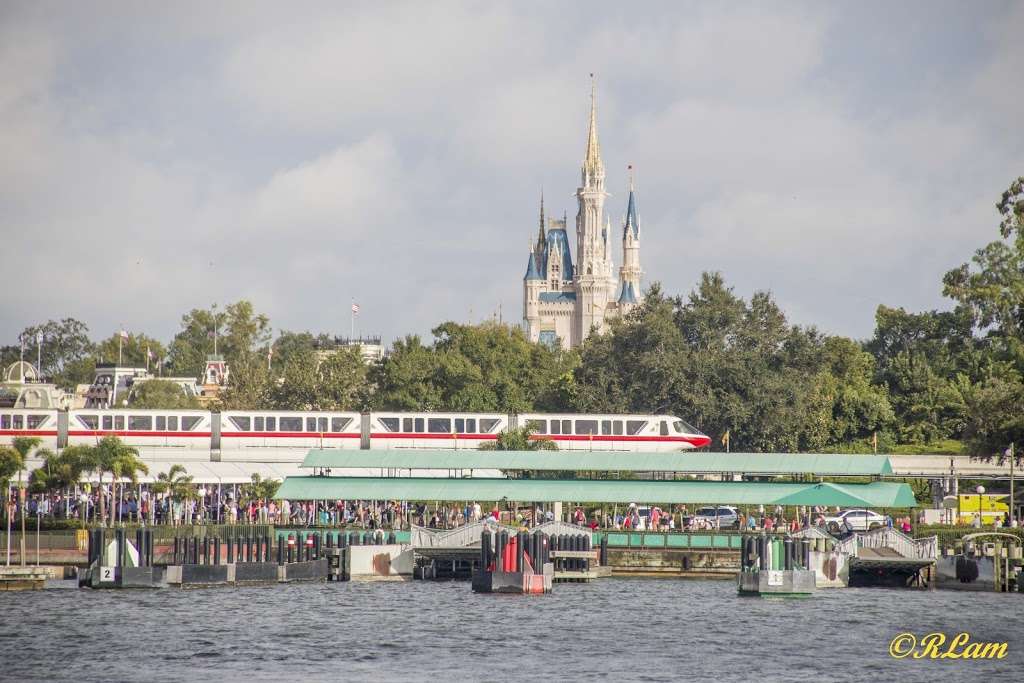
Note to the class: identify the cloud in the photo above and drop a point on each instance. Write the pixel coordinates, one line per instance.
(160, 159)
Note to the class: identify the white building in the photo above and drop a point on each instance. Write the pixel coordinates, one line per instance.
(563, 301)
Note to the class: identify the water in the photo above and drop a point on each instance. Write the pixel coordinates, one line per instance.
(613, 629)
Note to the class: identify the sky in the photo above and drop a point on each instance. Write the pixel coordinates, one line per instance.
(156, 158)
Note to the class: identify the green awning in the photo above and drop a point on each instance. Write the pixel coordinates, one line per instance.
(823, 464)
(874, 494)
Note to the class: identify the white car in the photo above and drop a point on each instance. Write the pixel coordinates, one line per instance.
(854, 520)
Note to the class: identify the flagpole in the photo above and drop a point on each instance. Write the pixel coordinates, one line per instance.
(1013, 512)
(21, 366)
(352, 321)
(120, 343)
(39, 355)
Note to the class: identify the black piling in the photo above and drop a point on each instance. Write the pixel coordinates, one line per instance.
(392, 538)
(119, 539)
(485, 551)
(520, 551)
(280, 552)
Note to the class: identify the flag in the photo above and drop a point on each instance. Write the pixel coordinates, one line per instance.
(149, 354)
(355, 308)
(124, 334)
(270, 352)
(39, 338)
(209, 335)
(725, 438)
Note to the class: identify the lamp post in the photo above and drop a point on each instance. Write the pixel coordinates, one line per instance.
(980, 490)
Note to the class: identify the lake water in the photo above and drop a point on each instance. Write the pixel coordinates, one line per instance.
(612, 629)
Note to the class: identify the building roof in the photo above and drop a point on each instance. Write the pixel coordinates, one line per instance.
(875, 494)
(632, 222)
(531, 270)
(825, 464)
(557, 297)
(628, 296)
(558, 239)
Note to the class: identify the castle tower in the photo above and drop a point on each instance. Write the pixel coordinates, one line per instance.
(630, 272)
(533, 285)
(594, 283)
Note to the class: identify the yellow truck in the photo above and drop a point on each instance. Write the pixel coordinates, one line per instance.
(989, 505)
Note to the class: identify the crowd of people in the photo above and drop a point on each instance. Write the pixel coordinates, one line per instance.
(226, 506)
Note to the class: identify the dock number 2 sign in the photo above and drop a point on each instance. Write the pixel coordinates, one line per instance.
(106, 575)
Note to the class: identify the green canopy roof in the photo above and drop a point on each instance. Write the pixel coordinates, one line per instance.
(875, 494)
(825, 464)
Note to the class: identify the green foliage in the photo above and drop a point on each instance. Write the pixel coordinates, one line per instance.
(66, 351)
(484, 368)
(133, 350)
(159, 393)
(334, 380)
(518, 440)
(175, 483)
(259, 489)
(241, 334)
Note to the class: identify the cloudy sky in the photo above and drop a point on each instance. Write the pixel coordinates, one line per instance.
(160, 157)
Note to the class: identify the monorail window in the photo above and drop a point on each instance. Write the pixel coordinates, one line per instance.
(310, 424)
(390, 423)
(271, 424)
(664, 428)
(258, 424)
(5, 421)
(161, 423)
(465, 425)
(406, 424)
(606, 427)
(683, 427)
(556, 427)
(439, 425)
(471, 425)
(586, 426)
(291, 424)
(487, 424)
(338, 424)
(189, 422)
(242, 424)
(36, 421)
(537, 426)
(119, 423)
(19, 422)
(419, 425)
(321, 424)
(617, 428)
(140, 423)
(634, 427)
(172, 423)
(89, 421)
(108, 422)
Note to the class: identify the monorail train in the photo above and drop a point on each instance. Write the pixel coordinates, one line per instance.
(236, 430)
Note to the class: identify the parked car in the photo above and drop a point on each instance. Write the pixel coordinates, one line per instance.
(719, 517)
(854, 520)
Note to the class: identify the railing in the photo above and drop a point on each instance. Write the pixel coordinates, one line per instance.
(910, 548)
(463, 536)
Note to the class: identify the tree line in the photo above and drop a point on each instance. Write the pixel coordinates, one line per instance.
(941, 380)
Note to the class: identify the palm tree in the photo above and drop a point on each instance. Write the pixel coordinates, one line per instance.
(24, 445)
(10, 463)
(175, 483)
(259, 490)
(127, 464)
(59, 471)
(111, 455)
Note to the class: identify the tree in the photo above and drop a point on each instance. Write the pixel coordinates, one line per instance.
(332, 381)
(66, 351)
(161, 394)
(249, 384)
(23, 446)
(177, 485)
(240, 334)
(133, 350)
(993, 291)
(126, 463)
(518, 440)
(60, 471)
(112, 456)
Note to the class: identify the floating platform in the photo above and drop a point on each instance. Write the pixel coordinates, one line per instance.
(777, 582)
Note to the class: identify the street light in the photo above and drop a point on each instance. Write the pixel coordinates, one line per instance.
(980, 490)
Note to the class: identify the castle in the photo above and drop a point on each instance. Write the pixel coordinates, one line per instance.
(563, 302)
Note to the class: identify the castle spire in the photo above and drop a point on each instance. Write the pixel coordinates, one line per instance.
(593, 159)
(632, 223)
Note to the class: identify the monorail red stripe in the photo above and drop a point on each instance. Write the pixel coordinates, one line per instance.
(292, 435)
(28, 432)
(121, 432)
